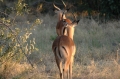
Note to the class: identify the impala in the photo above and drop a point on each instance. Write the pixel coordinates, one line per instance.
(61, 17)
(64, 50)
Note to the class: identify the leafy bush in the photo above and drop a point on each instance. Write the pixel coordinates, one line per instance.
(15, 43)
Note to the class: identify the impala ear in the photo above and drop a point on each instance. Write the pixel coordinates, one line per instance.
(74, 23)
(77, 21)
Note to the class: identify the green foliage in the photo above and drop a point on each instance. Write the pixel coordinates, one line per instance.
(107, 8)
(96, 43)
(21, 7)
(52, 38)
(110, 7)
(15, 43)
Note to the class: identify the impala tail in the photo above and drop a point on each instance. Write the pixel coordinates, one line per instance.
(60, 50)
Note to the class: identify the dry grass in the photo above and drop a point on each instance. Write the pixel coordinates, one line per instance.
(95, 58)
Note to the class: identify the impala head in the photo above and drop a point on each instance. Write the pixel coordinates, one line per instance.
(60, 12)
(68, 29)
(72, 25)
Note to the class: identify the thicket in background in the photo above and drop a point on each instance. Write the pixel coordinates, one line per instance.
(109, 9)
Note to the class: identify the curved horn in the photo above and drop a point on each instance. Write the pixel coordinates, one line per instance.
(56, 7)
(63, 3)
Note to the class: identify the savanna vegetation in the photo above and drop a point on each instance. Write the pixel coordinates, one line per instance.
(27, 31)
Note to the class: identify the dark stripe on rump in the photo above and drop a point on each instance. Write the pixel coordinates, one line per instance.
(59, 53)
(55, 50)
(65, 49)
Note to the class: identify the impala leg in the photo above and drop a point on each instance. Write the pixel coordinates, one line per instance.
(61, 70)
(59, 64)
(66, 69)
(70, 69)
(68, 74)
(72, 62)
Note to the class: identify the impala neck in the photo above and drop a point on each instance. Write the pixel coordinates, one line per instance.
(61, 17)
(70, 32)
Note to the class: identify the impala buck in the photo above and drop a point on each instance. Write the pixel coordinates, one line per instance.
(64, 50)
(61, 17)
